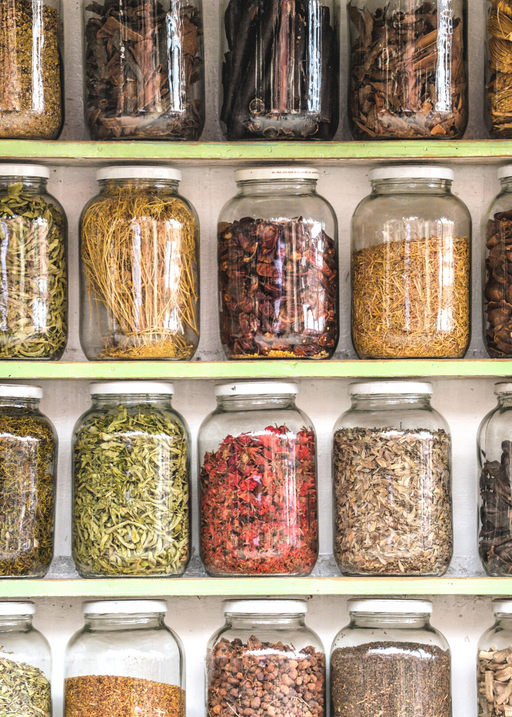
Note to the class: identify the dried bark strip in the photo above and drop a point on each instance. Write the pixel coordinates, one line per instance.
(495, 682)
(392, 501)
(262, 679)
(498, 285)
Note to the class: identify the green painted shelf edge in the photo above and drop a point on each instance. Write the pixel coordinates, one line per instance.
(151, 587)
(234, 152)
(227, 370)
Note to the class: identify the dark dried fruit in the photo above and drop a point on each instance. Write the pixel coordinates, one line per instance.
(495, 513)
(498, 285)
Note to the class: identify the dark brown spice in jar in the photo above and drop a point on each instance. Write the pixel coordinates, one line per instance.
(264, 679)
(391, 679)
(113, 696)
(496, 521)
(498, 285)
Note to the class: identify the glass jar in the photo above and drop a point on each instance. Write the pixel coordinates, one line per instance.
(144, 69)
(264, 658)
(25, 663)
(28, 473)
(33, 285)
(494, 447)
(139, 268)
(278, 267)
(392, 482)
(258, 484)
(131, 483)
(498, 270)
(494, 647)
(411, 266)
(280, 72)
(125, 661)
(408, 69)
(31, 77)
(390, 661)
(498, 105)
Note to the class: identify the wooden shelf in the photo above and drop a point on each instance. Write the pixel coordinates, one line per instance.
(218, 370)
(237, 152)
(228, 587)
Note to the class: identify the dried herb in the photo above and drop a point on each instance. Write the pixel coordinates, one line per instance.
(495, 683)
(33, 286)
(30, 71)
(259, 504)
(142, 63)
(131, 509)
(391, 679)
(280, 73)
(495, 513)
(408, 72)
(24, 690)
(269, 679)
(498, 285)
(406, 304)
(28, 453)
(140, 258)
(112, 696)
(392, 501)
(499, 87)
(279, 289)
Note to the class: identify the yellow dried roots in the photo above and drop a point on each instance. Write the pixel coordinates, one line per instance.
(410, 299)
(139, 256)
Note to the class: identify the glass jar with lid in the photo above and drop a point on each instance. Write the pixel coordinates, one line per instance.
(258, 483)
(25, 663)
(144, 69)
(131, 483)
(390, 661)
(411, 266)
(278, 267)
(497, 297)
(494, 674)
(33, 290)
(280, 72)
(498, 105)
(392, 482)
(494, 447)
(28, 473)
(265, 659)
(139, 268)
(31, 86)
(408, 69)
(125, 661)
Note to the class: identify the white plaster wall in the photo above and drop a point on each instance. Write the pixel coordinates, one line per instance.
(463, 402)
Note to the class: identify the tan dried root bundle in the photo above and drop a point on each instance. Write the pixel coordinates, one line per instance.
(499, 87)
(410, 299)
(139, 256)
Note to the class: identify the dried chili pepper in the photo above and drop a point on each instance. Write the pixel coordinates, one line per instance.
(259, 504)
(279, 289)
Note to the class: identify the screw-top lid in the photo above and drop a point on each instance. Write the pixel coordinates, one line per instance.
(266, 607)
(124, 607)
(12, 390)
(133, 387)
(392, 387)
(412, 171)
(256, 388)
(136, 172)
(390, 606)
(246, 175)
(502, 606)
(504, 172)
(502, 387)
(17, 608)
(24, 170)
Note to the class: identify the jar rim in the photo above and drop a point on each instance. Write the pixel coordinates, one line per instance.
(265, 607)
(138, 172)
(124, 607)
(362, 388)
(17, 608)
(502, 387)
(254, 173)
(257, 388)
(24, 170)
(505, 172)
(131, 387)
(411, 171)
(16, 391)
(413, 607)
